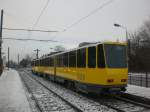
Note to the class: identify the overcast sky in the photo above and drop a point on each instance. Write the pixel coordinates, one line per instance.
(60, 14)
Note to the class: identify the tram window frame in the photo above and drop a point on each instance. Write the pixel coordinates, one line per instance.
(81, 58)
(100, 56)
(72, 58)
(92, 57)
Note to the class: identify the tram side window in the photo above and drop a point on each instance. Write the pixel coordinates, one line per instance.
(43, 62)
(57, 61)
(92, 57)
(72, 59)
(32, 63)
(81, 57)
(61, 60)
(36, 63)
(40, 63)
(51, 61)
(47, 62)
(100, 56)
(65, 59)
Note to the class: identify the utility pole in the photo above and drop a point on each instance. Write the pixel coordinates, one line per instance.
(1, 27)
(8, 58)
(37, 53)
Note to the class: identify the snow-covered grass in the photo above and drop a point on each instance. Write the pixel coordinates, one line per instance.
(139, 74)
(139, 91)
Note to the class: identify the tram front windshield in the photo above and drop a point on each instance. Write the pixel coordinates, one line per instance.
(115, 56)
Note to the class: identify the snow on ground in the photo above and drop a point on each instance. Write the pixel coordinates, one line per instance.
(139, 91)
(12, 93)
(139, 74)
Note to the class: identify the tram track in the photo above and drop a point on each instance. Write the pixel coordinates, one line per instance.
(85, 104)
(120, 103)
(43, 97)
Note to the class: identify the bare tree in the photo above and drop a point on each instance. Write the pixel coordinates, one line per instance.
(140, 49)
(59, 48)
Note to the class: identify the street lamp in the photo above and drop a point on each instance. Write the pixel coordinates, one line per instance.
(127, 41)
(125, 28)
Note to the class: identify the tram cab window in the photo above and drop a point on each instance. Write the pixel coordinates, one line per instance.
(72, 59)
(92, 57)
(65, 59)
(100, 56)
(115, 56)
(81, 57)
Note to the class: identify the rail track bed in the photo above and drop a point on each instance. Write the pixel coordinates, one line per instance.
(45, 100)
(95, 103)
(47, 93)
(121, 104)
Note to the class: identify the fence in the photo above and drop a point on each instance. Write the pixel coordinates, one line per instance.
(139, 79)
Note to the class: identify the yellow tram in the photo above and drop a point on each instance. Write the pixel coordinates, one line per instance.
(91, 68)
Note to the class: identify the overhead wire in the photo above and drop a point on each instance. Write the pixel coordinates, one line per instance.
(29, 30)
(88, 15)
(36, 22)
(29, 39)
(70, 26)
(84, 17)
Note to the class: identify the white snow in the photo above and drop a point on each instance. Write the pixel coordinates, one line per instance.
(12, 93)
(139, 74)
(139, 91)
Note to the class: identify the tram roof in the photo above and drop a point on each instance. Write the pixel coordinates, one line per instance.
(85, 46)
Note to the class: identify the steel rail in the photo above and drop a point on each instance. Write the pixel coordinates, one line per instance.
(133, 100)
(29, 90)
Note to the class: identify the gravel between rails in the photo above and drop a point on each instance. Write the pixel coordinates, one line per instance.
(80, 101)
(45, 100)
